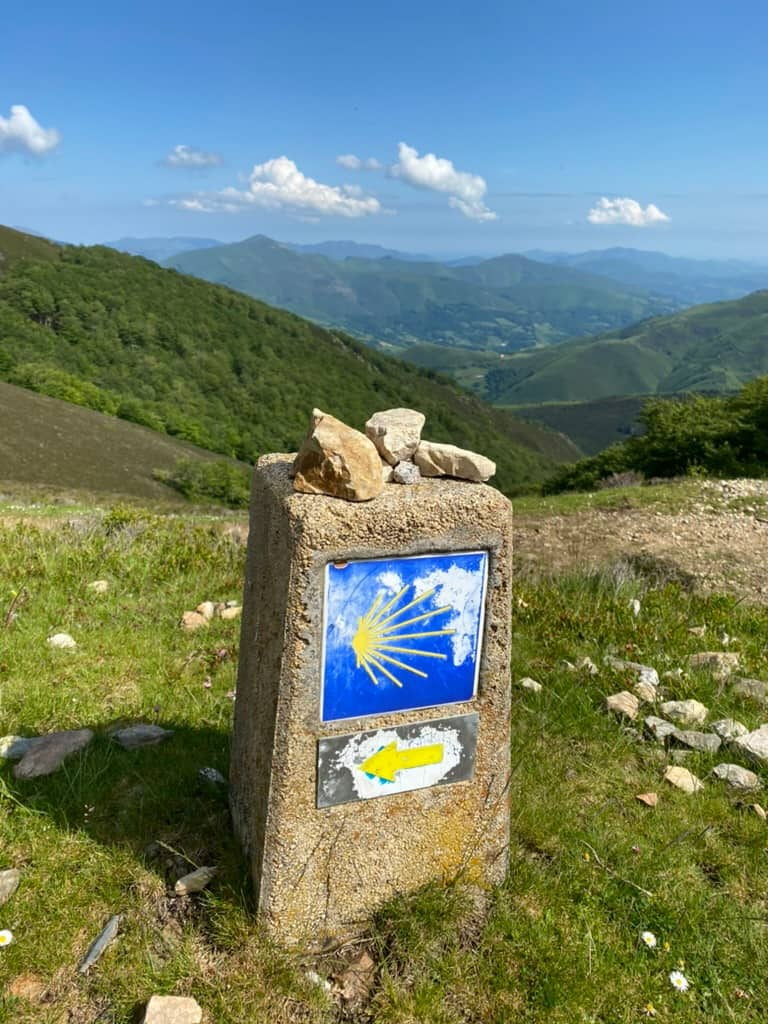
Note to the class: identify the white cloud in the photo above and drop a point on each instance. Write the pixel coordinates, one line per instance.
(466, 190)
(279, 185)
(625, 211)
(21, 133)
(354, 163)
(189, 157)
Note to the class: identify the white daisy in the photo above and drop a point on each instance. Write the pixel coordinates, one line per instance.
(6, 937)
(648, 939)
(679, 981)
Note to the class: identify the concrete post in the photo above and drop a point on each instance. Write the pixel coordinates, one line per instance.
(371, 740)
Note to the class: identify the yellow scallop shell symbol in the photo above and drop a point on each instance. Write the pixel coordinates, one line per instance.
(379, 635)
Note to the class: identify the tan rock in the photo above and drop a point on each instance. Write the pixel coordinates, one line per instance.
(649, 799)
(435, 459)
(396, 433)
(195, 881)
(624, 703)
(232, 613)
(645, 691)
(192, 621)
(720, 663)
(336, 460)
(172, 1010)
(682, 779)
(99, 586)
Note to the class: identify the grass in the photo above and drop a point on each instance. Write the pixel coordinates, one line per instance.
(666, 496)
(557, 943)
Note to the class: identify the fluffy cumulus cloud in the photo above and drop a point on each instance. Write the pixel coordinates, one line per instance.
(279, 185)
(189, 157)
(625, 211)
(21, 133)
(355, 163)
(466, 191)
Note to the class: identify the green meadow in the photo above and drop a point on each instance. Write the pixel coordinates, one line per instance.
(591, 867)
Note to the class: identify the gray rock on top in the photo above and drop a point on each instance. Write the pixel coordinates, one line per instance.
(435, 459)
(50, 751)
(728, 729)
(659, 728)
(396, 433)
(406, 473)
(338, 461)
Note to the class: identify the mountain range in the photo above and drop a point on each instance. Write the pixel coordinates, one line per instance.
(502, 304)
(199, 362)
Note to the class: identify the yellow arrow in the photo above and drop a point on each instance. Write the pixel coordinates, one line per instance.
(385, 762)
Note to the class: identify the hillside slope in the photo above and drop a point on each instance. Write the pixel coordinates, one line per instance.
(124, 336)
(507, 303)
(711, 348)
(55, 444)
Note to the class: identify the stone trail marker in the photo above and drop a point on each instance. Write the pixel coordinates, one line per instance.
(371, 741)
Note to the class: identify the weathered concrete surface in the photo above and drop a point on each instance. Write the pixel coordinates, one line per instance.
(319, 873)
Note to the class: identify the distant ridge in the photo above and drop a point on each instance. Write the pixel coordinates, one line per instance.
(159, 249)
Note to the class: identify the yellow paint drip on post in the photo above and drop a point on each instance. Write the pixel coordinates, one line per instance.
(385, 763)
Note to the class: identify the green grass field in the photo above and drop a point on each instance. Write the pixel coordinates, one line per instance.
(591, 868)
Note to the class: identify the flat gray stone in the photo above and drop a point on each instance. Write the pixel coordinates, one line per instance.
(754, 745)
(721, 664)
(13, 748)
(704, 742)
(737, 777)
(9, 883)
(683, 780)
(623, 703)
(659, 728)
(50, 752)
(435, 459)
(406, 473)
(142, 735)
(396, 434)
(750, 689)
(172, 1010)
(685, 712)
(728, 729)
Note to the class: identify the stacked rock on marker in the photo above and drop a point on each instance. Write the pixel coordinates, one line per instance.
(339, 461)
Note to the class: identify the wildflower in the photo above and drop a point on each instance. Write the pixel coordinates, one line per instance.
(6, 937)
(666, 947)
(739, 993)
(649, 939)
(207, 684)
(679, 981)
(585, 855)
(649, 1010)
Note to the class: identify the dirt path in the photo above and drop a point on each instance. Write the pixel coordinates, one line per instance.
(723, 548)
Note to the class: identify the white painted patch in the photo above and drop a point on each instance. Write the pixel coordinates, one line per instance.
(361, 747)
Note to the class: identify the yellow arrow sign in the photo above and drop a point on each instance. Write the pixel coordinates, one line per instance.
(385, 762)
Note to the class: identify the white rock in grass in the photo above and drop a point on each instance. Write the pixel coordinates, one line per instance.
(685, 712)
(644, 673)
(206, 609)
(728, 729)
(9, 883)
(190, 621)
(195, 881)
(754, 745)
(62, 641)
(172, 1010)
(750, 689)
(586, 664)
(737, 777)
(682, 779)
(645, 691)
(530, 684)
(659, 728)
(99, 586)
(721, 664)
(624, 703)
(704, 742)
(232, 612)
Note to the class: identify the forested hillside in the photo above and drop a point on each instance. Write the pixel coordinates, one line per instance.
(124, 336)
(712, 348)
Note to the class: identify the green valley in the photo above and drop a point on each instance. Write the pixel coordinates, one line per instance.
(199, 362)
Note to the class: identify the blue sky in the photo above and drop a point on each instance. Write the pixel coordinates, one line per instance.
(537, 115)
